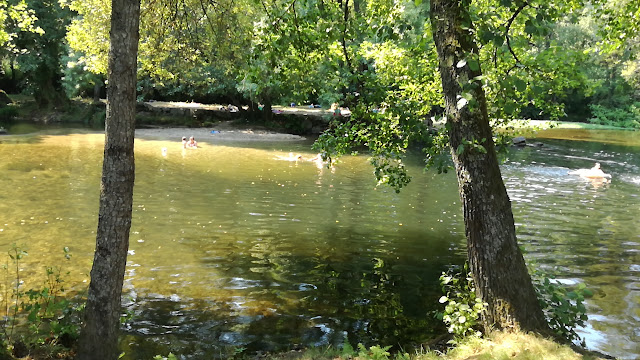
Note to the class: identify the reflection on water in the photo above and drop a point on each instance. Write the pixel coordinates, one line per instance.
(232, 248)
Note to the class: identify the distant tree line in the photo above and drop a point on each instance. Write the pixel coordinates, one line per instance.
(547, 65)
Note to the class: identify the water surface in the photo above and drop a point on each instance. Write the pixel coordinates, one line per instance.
(233, 249)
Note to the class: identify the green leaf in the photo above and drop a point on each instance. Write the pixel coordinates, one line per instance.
(520, 85)
(537, 90)
(530, 28)
(509, 108)
(461, 63)
(474, 65)
(460, 149)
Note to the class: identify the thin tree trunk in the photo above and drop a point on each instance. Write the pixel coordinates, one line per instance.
(497, 265)
(99, 335)
(97, 89)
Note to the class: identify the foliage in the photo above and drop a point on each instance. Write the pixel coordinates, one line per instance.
(627, 117)
(8, 114)
(463, 309)
(15, 16)
(377, 54)
(374, 352)
(168, 357)
(39, 61)
(38, 316)
(189, 50)
(564, 309)
(77, 80)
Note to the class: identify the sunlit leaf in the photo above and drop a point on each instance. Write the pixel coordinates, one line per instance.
(462, 102)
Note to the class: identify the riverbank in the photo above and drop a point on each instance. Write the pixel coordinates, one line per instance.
(223, 131)
(549, 124)
(498, 345)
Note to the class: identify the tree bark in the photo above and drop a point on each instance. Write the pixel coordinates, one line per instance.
(99, 334)
(496, 263)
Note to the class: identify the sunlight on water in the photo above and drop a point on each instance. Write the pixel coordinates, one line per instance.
(584, 231)
(231, 246)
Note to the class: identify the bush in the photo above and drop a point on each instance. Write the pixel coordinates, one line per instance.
(626, 116)
(563, 308)
(8, 114)
(463, 309)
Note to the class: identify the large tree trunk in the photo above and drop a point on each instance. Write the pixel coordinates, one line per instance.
(497, 265)
(99, 335)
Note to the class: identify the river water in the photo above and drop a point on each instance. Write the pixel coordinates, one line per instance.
(233, 249)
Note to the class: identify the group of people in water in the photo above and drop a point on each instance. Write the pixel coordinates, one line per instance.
(193, 144)
(593, 174)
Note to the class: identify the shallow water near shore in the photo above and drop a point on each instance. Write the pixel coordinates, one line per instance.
(232, 249)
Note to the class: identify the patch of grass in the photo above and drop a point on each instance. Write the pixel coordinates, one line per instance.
(546, 124)
(516, 346)
(496, 346)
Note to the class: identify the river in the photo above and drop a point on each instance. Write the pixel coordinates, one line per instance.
(233, 249)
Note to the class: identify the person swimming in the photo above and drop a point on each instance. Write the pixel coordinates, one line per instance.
(322, 163)
(192, 143)
(291, 157)
(594, 173)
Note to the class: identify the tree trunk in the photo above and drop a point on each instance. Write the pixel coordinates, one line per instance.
(497, 265)
(99, 334)
(97, 90)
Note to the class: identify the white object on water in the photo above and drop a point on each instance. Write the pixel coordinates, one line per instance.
(164, 151)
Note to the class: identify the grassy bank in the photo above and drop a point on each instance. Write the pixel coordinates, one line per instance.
(546, 124)
(498, 345)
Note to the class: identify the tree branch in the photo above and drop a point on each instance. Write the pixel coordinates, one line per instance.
(508, 27)
(344, 35)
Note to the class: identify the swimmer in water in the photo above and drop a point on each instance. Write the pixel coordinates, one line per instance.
(291, 157)
(595, 173)
(192, 143)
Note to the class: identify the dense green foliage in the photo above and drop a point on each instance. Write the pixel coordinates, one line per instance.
(565, 59)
